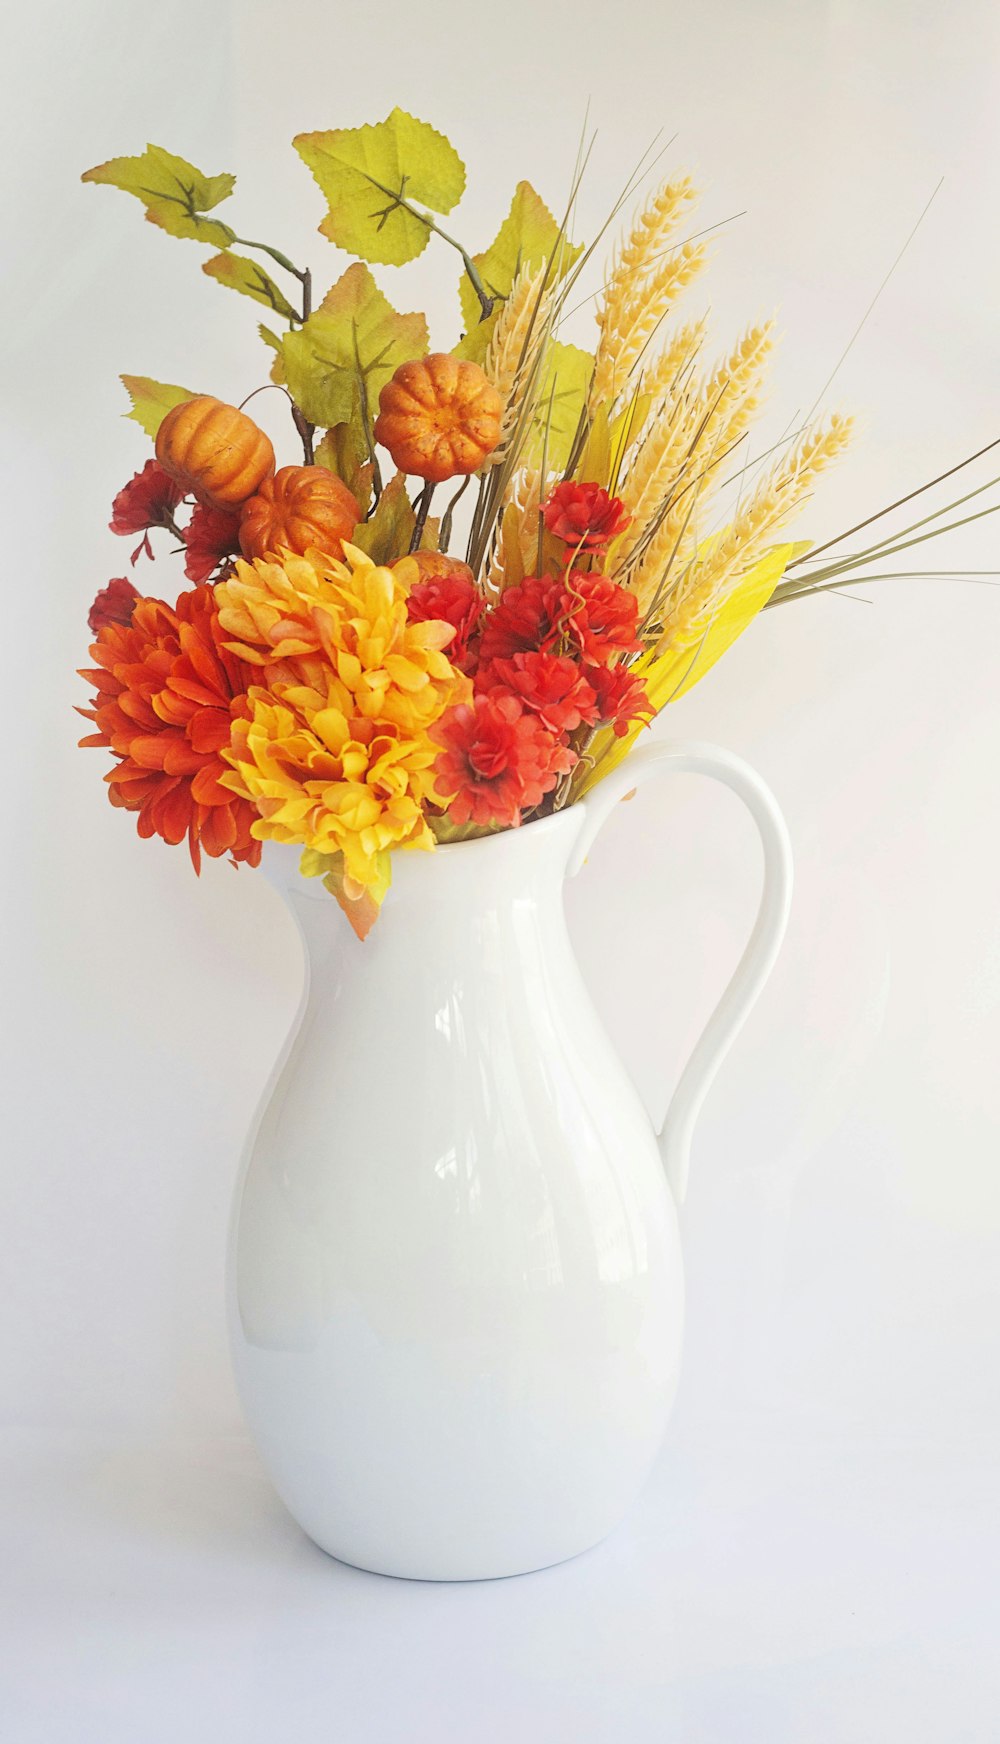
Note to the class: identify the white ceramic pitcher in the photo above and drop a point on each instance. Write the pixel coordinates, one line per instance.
(455, 1280)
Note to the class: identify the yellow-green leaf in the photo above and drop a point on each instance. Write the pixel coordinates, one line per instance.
(354, 337)
(173, 192)
(565, 383)
(387, 535)
(344, 450)
(361, 910)
(528, 236)
(245, 276)
(152, 400)
(669, 676)
(372, 176)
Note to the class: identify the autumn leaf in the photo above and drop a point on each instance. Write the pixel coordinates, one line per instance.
(344, 450)
(366, 173)
(562, 394)
(387, 535)
(152, 400)
(529, 236)
(354, 338)
(173, 192)
(244, 275)
(361, 910)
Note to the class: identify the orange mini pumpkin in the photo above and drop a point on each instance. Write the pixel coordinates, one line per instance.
(433, 566)
(439, 417)
(214, 451)
(301, 507)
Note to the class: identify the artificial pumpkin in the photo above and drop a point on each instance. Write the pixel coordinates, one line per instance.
(439, 417)
(214, 451)
(433, 566)
(300, 509)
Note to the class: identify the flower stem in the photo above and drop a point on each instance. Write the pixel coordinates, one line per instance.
(423, 504)
(301, 273)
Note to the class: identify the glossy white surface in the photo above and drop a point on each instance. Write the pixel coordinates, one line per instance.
(456, 1290)
(762, 947)
(456, 1298)
(776, 1583)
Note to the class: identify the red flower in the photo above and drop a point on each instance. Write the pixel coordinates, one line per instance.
(552, 686)
(210, 537)
(525, 618)
(113, 604)
(584, 613)
(451, 596)
(167, 692)
(584, 515)
(497, 761)
(621, 697)
(600, 616)
(148, 500)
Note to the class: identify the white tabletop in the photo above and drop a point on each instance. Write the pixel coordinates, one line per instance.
(774, 1591)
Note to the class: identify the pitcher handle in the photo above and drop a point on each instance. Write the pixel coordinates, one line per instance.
(757, 960)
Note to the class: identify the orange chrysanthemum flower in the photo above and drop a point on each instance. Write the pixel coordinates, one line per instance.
(167, 694)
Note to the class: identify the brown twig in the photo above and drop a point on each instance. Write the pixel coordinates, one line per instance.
(423, 504)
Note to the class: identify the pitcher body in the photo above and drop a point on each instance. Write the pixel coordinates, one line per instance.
(455, 1277)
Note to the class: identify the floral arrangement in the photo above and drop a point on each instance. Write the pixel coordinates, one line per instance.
(332, 674)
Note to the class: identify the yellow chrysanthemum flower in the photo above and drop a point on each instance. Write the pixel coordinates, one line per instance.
(335, 754)
(307, 616)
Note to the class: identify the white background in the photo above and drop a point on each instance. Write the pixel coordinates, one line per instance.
(815, 1558)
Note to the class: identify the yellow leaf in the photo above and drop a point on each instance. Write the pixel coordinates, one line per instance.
(344, 450)
(669, 676)
(528, 236)
(354, 339)
(173, 192)
(151, 400)
(361, 907)
(372, 175)
(387, 535)
(565, 380)
(510, 547)
(594, 464)
(244, 275)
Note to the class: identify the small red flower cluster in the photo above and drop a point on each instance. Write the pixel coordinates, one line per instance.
(148, 500)
(210, 539)
(544, 661)
(584, 515)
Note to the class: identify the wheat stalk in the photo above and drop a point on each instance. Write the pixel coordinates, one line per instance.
(522, 497)
(517, 337)
(731, 395)
(658, 462)
(708, 583)
(636, 280)
(723, 406)
(636, 314)
(661, 377)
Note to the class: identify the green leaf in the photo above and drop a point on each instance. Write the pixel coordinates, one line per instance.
(387, 535)
(354, 337)
(244, 275)
(173, 192)
(152, 400)
(528, 236)
(365, 172)
(562, 394)
(344, 450)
